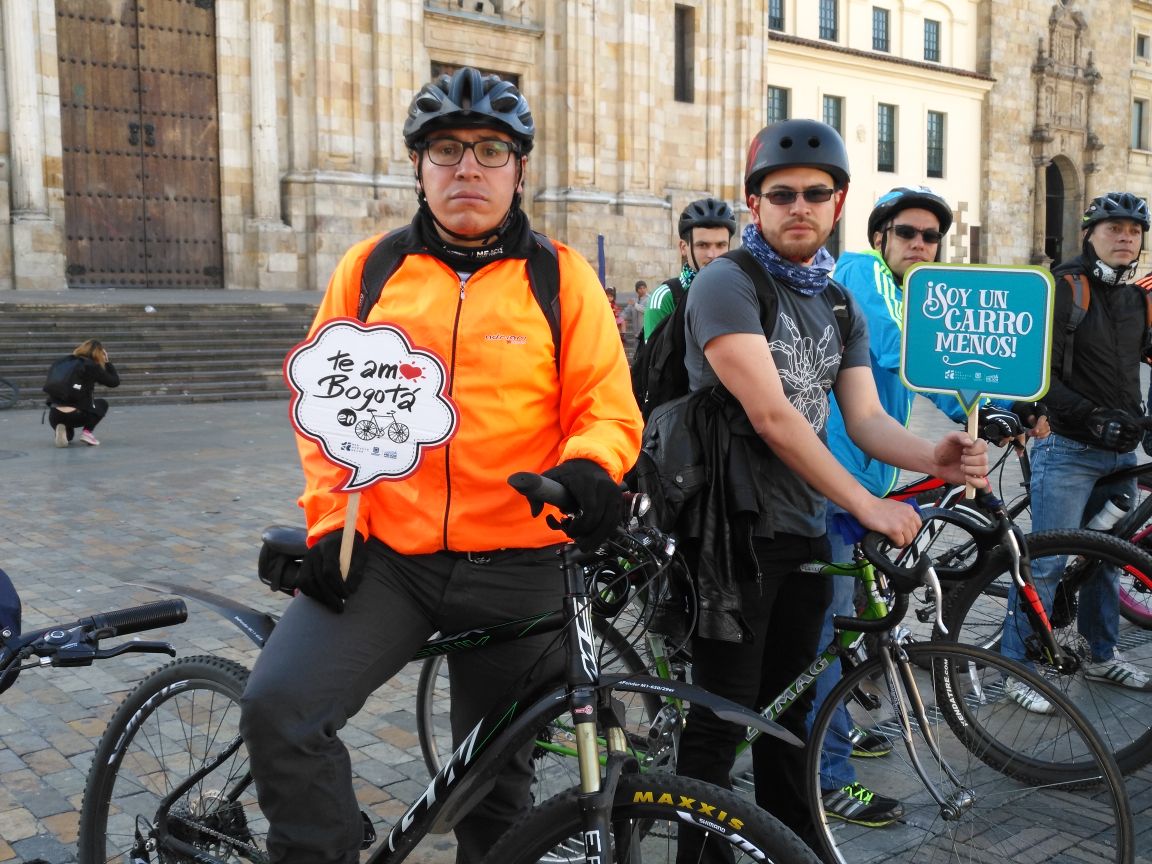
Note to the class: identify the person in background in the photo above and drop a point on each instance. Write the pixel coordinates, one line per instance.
(82, 411)
(1095, 412)
(451, 545)
(705, 228)
(637, 309)
(761, 624)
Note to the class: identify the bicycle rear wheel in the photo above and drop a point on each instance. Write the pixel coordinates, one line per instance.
(555, 752)
(176, 721)
(976, 616)
(1021, 782)
(648, 815)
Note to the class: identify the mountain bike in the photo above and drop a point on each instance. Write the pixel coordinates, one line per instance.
(170, 778)
(971, 766)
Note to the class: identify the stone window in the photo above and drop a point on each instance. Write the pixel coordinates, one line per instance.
(880, 26)
(777, 104)
(834, 112)
(935, 144)
(685, 48)
(1143, 51)
(775, 14)
(931, 40)
(885, 137)
(829, 20)
(1140, 124)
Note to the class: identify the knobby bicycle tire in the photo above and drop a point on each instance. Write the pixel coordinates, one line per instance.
(649, 812)
(554, 756)
(976, 615)
(175, 721)
(1022, 781)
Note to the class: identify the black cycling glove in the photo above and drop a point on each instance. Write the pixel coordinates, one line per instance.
(998, 425)
(1115, 429)
(599, 502)
(320, 577)
(1029, 412)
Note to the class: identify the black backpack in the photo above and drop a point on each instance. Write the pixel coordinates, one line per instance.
(658, 371)
(543, 275)
(65, 379)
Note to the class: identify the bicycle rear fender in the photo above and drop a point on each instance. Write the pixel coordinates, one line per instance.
(253, 623)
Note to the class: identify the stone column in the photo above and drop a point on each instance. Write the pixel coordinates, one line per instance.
(265, 149)
(1039, 198)
(26, 134)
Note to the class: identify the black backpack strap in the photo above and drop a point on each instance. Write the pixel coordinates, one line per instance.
(381, 263)
(543, 275)
(1081, 296)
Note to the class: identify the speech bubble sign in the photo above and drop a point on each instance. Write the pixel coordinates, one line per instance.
(373, 401)
(977, 331)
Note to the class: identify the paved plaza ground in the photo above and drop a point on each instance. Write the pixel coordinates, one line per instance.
(173, 494)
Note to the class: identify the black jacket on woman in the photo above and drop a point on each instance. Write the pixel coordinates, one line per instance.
(91, 374)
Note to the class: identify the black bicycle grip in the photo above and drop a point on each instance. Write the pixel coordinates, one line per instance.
(538, 488)
(875, 547)
(121, 622)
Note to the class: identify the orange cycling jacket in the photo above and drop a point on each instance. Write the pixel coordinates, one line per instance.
(517, 412)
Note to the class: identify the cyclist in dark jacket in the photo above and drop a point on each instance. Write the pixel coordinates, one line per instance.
(1094, 408)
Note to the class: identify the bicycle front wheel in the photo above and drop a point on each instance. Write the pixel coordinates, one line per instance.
(652, 814)
(977, 613)
(178, 720)
(1008, 781)
(554, 757)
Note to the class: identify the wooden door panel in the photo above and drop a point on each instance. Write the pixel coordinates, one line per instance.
(181, 164)
(100, 100)
(140, 139)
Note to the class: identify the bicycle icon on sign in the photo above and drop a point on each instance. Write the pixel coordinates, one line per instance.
(396, 431)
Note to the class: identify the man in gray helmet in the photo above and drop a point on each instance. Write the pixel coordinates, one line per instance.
(760, 620)
(450, 545)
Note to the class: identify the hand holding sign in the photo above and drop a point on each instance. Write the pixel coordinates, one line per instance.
(977, 331)
(372, 401)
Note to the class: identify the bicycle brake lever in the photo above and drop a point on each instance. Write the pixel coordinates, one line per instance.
(135, 648)
(933, 582)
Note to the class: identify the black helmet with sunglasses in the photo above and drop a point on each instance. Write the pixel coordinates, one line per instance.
(796, 144)
(905, 198)
(470, 99)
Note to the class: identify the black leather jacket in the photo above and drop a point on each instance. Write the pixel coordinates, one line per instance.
(1109, 347)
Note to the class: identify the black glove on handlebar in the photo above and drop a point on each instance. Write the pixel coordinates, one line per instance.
(320, 577)
(1115, 429)
(998, 425)
(599, 500)
(1029, 412)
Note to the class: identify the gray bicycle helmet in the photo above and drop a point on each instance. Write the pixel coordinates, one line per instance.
(905, 198)
(470, 98)
(706, 213)
(796, 143)
(1116, 205)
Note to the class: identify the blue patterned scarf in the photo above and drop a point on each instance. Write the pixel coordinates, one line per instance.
(687, 274)
(808, 280)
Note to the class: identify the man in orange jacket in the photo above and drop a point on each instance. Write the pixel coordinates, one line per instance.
(451, 546)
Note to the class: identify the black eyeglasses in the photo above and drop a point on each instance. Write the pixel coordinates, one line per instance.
(491, 153)
(815, 195)
(907, 232)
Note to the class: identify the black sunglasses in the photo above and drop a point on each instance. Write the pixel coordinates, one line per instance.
(907, 232)
(816, 195)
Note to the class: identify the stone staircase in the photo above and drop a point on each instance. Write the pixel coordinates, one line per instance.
(174, 353)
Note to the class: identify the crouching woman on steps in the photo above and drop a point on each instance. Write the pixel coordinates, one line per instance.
(78, 409)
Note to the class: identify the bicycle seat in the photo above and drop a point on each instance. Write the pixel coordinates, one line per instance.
(286, 539)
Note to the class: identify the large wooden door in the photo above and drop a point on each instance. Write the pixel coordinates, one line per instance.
(141, 143)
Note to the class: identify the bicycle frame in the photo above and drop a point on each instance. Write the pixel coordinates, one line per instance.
(472, 769)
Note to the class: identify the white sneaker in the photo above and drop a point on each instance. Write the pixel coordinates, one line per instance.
(1117, 671)
(61, 435)
(1027, 698)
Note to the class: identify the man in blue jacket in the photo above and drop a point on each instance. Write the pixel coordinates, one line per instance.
(906, 227)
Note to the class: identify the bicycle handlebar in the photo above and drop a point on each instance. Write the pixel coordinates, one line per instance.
(538, 488)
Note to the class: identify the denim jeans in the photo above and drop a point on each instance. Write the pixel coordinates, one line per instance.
(836, 771)
(1064, 496)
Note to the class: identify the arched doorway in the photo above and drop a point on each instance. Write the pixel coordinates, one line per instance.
(1061, 210)
(140, 139)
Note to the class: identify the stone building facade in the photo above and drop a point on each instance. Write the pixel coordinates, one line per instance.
(245, 143)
